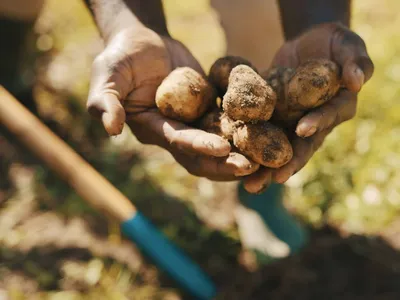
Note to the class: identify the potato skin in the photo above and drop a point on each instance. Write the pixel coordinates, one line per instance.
(310, 85)
(314, 83)
(221, 69)
(184, 95)
(264, 143)
(249, 98)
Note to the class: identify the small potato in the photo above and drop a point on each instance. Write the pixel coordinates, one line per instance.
(314, 83)
(184, 95)
(219, 123)
(221, 69)
(249, 98)
(264, 143)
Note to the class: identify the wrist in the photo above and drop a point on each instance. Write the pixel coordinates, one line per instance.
(114, 16)
(298, 16)
(123, 21)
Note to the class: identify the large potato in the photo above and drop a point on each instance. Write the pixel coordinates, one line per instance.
(249, 98)
(314, 83)
(184, 95)
(264, 143)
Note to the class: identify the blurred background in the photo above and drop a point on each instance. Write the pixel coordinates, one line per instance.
(53, 246)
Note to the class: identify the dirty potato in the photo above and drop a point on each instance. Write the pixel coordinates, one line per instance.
(249, 98)
(264, 143)
(184, 95)
(314, 83)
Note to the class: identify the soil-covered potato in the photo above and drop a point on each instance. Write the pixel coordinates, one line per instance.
(314, 83)
(221, 69)
(249, 98)
(184, 95)
(264, 143)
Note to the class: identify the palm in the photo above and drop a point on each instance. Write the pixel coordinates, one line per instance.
(330, 41)
(140, 62)
(125, 78)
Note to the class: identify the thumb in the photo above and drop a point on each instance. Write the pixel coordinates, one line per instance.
(104, 101)
(113, 115)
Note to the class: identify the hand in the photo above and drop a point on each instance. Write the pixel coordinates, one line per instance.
(346, 48)
(125, 77)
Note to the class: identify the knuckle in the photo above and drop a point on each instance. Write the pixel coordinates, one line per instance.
(350, 38)
(100, 60)
(326, 114)
(366, 65)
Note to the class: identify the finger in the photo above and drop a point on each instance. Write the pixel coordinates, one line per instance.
(340, 109)
(350, 51)
(303, 149)
(151, 127)
(108, 107)
(104, 99)
(259, 181)
(220, 168)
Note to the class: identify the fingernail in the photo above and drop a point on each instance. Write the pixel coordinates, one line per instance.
(360, 77)
(111, 125)
(311, 131)
(243, 170)
(303, 130)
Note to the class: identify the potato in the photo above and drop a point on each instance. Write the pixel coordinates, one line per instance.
(253, 105)
(184, 95)
(314, 83)
(264, 143)
(221, 69)
(248, 98)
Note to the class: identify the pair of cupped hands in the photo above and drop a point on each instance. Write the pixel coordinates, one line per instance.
(126, 75)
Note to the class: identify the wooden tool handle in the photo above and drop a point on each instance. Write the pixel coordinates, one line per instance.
(95, 189)
(82, 177)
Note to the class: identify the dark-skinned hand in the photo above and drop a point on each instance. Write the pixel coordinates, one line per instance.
(125, 77)
(330, 41)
